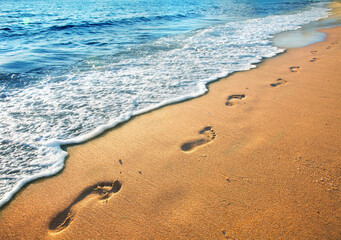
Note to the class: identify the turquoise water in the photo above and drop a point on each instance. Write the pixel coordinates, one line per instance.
(71, 69)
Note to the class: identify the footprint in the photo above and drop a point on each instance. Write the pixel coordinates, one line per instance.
(279, 81)
(294, 69)
(208, 136)
(102, 191)
(314, 59)
(232, 97)
(314, 52)
(332, 45)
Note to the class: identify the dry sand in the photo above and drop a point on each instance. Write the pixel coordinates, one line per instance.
(258, 157)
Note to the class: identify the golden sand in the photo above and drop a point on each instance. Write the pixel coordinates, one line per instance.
(258, 157)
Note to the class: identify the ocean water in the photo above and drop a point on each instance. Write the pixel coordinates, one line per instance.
(70, 69)
(306, 35)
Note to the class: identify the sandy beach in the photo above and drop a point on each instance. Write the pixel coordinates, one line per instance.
(258, 157)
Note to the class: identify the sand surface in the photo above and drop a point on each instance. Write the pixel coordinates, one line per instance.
(258, 157)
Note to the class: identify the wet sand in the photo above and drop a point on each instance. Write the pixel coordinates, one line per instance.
(258, 157)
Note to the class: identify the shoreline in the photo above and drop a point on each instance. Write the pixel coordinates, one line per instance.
(61, 145)
(207, 172)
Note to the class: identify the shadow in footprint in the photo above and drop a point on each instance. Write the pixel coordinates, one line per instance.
(314, 51)
(209, 135)
(294, 69)
(332, 45)
(314, 59)
(279, 81)
(103, 190)
(234, 97)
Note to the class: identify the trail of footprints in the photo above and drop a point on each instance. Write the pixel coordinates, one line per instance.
(295, 69)
(332, 45)
(102, 191)
(207, 133)
(314, 59)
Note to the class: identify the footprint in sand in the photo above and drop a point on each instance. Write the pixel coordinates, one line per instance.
(101, 191)
(294, 69)
(233, 97)
(208, 135)
(279, 81)
(314, 59)
(332, 45)
(314, 52)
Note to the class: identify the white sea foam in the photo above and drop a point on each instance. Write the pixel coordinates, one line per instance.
(71, 109)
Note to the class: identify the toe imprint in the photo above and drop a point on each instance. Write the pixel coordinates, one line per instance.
(208, 135)
(231, 99)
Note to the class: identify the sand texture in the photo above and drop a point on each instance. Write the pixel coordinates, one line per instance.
(258, 157)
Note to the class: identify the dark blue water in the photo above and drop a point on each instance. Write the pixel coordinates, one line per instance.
(71, 69)
(38, 36)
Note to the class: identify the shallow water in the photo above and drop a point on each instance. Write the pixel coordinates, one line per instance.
(306, 35)
(70, 70)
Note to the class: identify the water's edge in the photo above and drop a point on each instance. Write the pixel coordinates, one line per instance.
(61, 145)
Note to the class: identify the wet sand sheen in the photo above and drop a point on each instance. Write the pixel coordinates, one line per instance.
(268, 167)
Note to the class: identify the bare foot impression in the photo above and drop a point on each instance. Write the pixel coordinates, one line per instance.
(294, 69)
(314, 52)
(233, 97)
(102, 191)
(314, 59)
(279, 81)
(332, 45)
(208, 135)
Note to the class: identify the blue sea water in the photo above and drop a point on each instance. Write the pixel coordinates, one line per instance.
(69, 69)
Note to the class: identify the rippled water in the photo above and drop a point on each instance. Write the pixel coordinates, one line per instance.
(70, 69)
